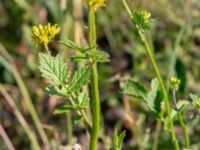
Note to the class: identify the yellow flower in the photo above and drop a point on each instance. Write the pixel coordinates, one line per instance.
(95, 4)
(146, 15)
(44, 34)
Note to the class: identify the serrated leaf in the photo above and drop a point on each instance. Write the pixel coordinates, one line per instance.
(99, 56)
(55, 91)
(117, 140)
(83, 99)
(133, 88)
(74, 46)
(152, 97)
(53, 69)
(80, 78)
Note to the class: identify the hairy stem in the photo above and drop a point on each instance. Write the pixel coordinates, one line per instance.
(94, 85)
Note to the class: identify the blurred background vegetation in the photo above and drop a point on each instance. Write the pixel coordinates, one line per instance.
(175, 39)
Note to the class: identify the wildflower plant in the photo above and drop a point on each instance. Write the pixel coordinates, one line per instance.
(176, 109)
(72, 88)
(142, 22)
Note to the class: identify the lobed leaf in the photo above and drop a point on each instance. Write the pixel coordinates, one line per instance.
(53, 69)
(80, 78)
(152, 97)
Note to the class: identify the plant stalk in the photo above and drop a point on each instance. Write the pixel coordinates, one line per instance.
(94, 85)
(185, 131)
(166, 100)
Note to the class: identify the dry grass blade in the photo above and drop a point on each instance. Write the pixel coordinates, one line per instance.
(6, 138)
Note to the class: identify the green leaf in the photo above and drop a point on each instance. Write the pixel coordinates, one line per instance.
(181, 105)
(55, 91)
(74, 46)
(53, 69)
(64, 109)
(80, 78)
(195, 100)
(99, 56)
(76, 117)
(117, 140)
(194, 97)
(135, 89)
(83, 99)
(154, 97)
(181, 74)
(78, 58)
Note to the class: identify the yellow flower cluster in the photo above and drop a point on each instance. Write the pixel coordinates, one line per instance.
(44, 34)
(146, 15)
(95, 4)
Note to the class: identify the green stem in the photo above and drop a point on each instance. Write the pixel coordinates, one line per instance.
(166, 100)
(94, 85)
(185, 131)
